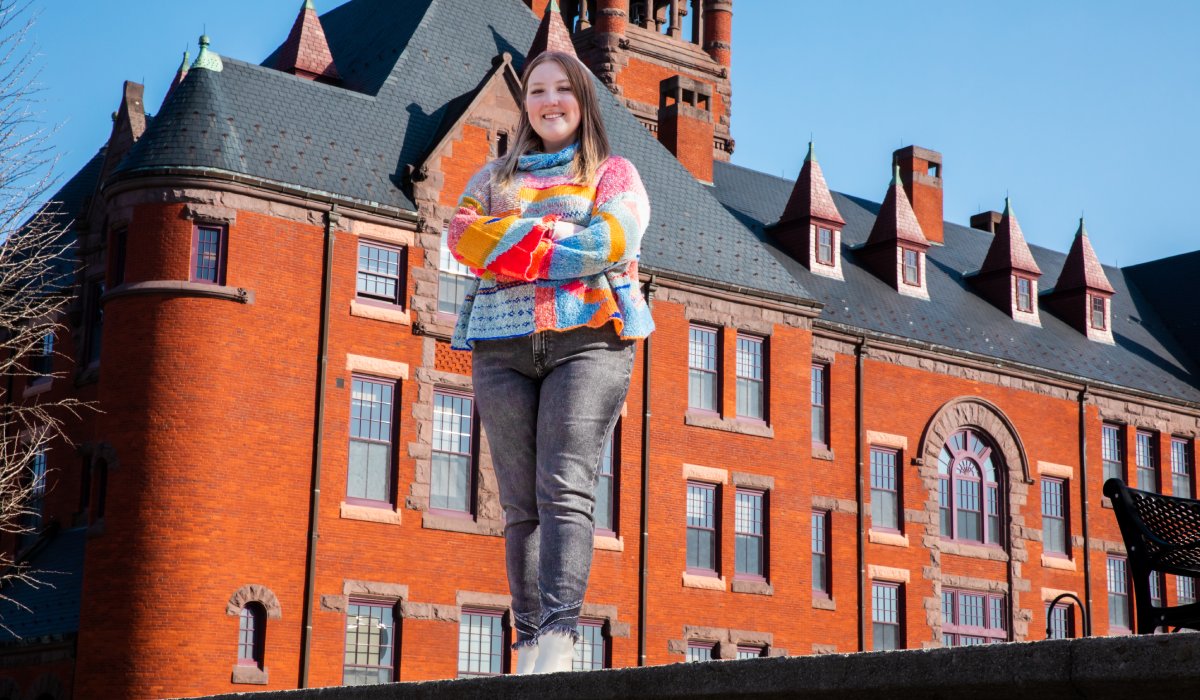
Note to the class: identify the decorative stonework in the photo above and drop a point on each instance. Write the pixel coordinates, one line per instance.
(834, 505)
(714, 309)
(375, 589)
(752, 587)
(730, 425)
(376, 366)
(725, 641)
(826, 349)
(712, 475)
(254, 593)
(975, 412)
(1147, 415)
(963, 369)
(753, 481)
(608, 613)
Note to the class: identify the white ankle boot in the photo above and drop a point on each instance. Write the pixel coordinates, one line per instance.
(556, 652)
(526, 656)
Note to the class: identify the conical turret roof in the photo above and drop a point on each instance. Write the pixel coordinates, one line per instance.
(810, 196)
(896, 220)
(306, 51)
(1009, 251)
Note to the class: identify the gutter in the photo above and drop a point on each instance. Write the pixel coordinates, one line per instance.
(859, 495)
(644, 560)
(310, 565)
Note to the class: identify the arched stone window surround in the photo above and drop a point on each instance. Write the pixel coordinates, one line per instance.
(253, 592)
(975, 412)
(967, 459)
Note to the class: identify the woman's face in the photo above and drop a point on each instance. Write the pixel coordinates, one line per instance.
(551, 106)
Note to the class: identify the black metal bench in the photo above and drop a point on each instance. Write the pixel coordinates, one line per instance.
(1162, 534)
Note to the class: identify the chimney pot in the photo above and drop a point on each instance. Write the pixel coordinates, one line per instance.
(921, 173)
(685, 124)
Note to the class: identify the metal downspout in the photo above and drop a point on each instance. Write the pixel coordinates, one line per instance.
(643, 572)
(310, 572)
(859, 434)
(1083, 495)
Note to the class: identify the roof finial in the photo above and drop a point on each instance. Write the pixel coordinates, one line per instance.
(554, 6)
(812, 156)
(207, 59)
(308, 5)
(183, 66)
(896, 175)
(1007, 206)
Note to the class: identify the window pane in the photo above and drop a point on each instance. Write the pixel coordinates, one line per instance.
(699, 652)
(884, 490)
(1147, 468)
(454, 279)
(749, 538)
(450, 487)
(885, 616)
(1111, 453)
(368, 658)
(589, 650)
(480, 645)
(1181, 469)
(370, 440)
(820, 423)
(1118, 594)
(702, 368)
(207, 260)
(820, 557)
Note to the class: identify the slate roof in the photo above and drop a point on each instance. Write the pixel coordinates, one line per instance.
(1146, 355)
(355, 143)
(1170, 283)
(53, 608)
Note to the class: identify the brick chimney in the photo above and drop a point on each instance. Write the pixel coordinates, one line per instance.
(685, 124)
(306, 51)
(1083, 295)
(538, 6)
(810, 229)
(921, 173)
(718, 30)
(895, 250)
(1009, 275)
(552, 34)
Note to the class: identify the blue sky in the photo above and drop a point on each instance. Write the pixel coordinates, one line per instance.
(1070, 107)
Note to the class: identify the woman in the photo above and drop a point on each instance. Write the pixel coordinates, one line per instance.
(552, 230)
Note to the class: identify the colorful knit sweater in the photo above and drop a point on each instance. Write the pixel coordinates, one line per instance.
(528, 281)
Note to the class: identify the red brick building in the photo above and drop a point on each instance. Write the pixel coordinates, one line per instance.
(856, 427)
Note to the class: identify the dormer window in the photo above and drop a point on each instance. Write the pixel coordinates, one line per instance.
(1024, 294)
(1098, 316)
(824, 246)
(912, 267)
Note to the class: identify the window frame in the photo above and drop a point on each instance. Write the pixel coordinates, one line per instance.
(1112, 435)
(222, 254)
(897, 600)
(1092, 311)
(895, 491)
(472, 455)
(763, 381)
(449, 268)
(1067, 613)
(401, 295)
(1122, 565)
(949, 482)
(252, 643)
(375, 603)
(825, 249)
(505, 655)
(393, 435)
(597, 627)
(1064, 516)
(715, 529)
(763, 536)
(825, 587)
(915, 267)
(1024, 298)
(750, 651)
(820, 370)
(1149, 440)
(1182, 468)
(988, 632)
(1185, 593)
(713, 375)
(695, 646)
(613, 447)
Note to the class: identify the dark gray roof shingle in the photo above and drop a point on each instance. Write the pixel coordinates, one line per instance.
(53, 607)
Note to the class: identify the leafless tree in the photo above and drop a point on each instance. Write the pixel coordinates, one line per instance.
(36, 279)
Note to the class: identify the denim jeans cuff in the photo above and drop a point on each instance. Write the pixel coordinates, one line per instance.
(564, 628)
(525, 643)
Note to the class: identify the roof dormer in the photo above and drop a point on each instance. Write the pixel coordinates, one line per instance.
(895, 250)
(1009, 275)
(306, 52)
(810, 229)
(1083, 295)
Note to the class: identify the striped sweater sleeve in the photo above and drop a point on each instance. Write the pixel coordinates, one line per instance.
(613, 236)
(502, 243)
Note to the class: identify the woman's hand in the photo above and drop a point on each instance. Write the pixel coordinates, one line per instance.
(562, 229)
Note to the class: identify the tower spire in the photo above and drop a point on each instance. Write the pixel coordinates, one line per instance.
(306, 52)
(552, 34)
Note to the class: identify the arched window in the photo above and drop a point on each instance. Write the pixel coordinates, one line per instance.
(252, 635)
(969, 489)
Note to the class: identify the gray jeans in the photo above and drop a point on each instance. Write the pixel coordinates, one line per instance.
(548, 403)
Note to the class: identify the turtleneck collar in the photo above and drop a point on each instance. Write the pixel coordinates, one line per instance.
(542, 161)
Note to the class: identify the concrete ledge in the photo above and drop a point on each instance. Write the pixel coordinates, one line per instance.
(1099, 668)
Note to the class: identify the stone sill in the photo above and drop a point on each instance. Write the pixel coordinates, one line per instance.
(1061, 563)
(250, 675)
(729, 425)
(395, 315)
(974, 551)
(370, 514)
(712, 583)
(822, 452)
(892, 539)
(608, 543)
(821, 602)
(752, 587)
(470, 526)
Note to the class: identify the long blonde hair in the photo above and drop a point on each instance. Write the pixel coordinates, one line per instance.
(593, 147)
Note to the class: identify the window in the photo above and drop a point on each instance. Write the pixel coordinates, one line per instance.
(912, 267)
(380, 273)
(591, 649)
(454, 279)
(1112, 452)
(700, 651)
(42, 362)
(820, 404)
(369, 642)
(750, 534)
(1181, 468)
(120, 239)
(1185, 589)
(1055, 538)
(751, 394)
(1118, 594)
(1062, 622)
(885, 616)
(606, 488)
(820, 552)
(453, 420)
(885, 491)
(1147, 462)
(702, 369)
(969, 489)
(746, 652)
(252, 635)
(1156, 589)
(1024, 294)
(208, 254)
(1098, 319)
(824, 246)
(480, 644)
(970, 618)
(371, 411)
(95, 322)
(702, 528)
